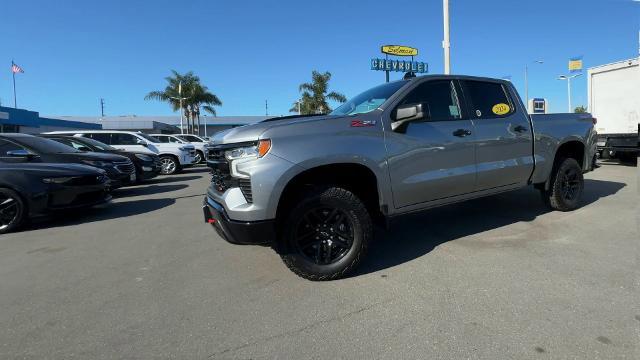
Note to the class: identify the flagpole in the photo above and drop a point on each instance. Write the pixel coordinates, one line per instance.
(15, 100)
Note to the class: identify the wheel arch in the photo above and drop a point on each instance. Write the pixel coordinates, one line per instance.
(355, 177)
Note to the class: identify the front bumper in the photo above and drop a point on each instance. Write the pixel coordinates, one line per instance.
(238, 232)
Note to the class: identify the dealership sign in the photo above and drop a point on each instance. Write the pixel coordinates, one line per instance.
(417, 67)
(399, 50)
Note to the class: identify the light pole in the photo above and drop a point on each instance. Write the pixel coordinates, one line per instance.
(180, 98)
(568, 78)
(526, 82)
(446, 45)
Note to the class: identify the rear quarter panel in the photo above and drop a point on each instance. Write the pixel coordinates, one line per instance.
(553, 130)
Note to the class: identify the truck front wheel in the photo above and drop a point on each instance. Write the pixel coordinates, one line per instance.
(326, 235)
(566, 185)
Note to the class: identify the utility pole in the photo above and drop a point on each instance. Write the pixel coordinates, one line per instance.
(101, 107)
(446, 44)
(266, 108)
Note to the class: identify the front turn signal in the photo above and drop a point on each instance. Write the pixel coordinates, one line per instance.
(263, 147)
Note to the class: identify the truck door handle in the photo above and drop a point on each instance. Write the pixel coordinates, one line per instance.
(462, 133)
(520, 128)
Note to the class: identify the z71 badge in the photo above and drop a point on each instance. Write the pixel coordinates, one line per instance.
(362, 123)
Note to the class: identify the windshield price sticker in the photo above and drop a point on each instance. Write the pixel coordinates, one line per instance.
(500, 109)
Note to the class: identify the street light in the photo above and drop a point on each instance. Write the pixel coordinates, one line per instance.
(181, 109)
(526, 81)
(568, 78)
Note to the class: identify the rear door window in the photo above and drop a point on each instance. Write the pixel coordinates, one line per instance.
(488, 99)
(123, 139)
(102, 137)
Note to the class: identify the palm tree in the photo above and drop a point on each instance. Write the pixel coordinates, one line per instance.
(194, 95)
(314, 95)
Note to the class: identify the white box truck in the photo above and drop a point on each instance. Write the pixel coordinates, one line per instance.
(614, 100)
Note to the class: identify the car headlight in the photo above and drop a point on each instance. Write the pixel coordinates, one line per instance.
(57, 180)
(144, 157)
(97, 163)
(258, 150)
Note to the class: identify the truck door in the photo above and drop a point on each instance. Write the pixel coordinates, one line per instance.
(431, 158)
(504, 143)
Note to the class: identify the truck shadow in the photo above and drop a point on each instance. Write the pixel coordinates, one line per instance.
(417, 234)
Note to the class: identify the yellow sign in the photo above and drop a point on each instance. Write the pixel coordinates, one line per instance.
(500, 109)
(575, 64)
(399, 50)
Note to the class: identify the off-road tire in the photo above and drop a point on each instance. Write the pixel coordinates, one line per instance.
(565, 172)
(352, 209)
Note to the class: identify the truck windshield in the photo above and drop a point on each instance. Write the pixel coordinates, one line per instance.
(370, 99)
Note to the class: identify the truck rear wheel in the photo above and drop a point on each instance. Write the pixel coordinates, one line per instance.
(566, 185)
(326, 235)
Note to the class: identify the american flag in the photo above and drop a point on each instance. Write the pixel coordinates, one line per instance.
(16, 69)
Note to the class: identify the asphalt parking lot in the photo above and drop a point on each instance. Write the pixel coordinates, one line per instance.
(500, 277)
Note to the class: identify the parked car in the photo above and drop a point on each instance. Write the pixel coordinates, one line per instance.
(20, 148)
(29, 190)
(147, 165)
(174, 157)
(314, 185)
(201, 150)
(202, 145)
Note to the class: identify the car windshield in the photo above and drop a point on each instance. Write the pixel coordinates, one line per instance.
(148, 138)
(370, 99)
(45, 146)
(97, 144)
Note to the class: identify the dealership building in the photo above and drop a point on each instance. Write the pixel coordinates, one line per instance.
(209, 125)
(30, 122)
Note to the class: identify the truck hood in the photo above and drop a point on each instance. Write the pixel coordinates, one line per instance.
(252, 132)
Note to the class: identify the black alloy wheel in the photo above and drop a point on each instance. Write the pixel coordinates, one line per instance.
(571, 184)
(565, 185)
(11, 210)
(324, 235)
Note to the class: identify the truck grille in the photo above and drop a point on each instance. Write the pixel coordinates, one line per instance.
(221, 178)
(126, 167)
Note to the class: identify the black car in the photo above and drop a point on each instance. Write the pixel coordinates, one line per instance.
(21, 148)
(147, 165)
(28, 190)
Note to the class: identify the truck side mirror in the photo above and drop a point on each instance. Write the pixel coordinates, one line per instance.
(407, 113)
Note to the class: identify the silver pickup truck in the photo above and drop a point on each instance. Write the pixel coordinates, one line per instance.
(313, 186)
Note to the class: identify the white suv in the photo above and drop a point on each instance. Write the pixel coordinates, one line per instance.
(201, 145)
(174, 157)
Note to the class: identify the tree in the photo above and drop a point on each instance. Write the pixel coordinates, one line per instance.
(580, 109)
(314, 95)
(195, 97)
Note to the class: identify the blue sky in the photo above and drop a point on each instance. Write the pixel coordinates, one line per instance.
(75, 52)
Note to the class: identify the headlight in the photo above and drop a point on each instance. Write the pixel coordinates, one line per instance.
(260, 149)
(57, 180)
(144, 157)
(96, 163)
